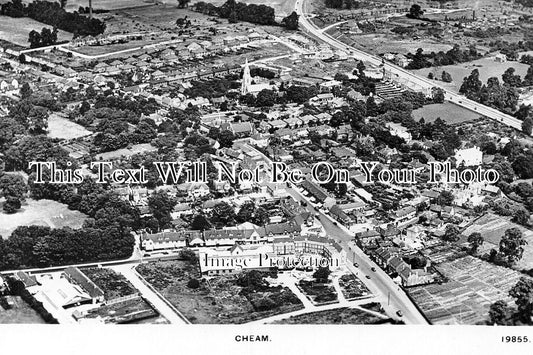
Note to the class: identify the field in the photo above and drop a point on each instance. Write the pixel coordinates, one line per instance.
(62, 128)
(342, 315)
(281, 7)
(487, 68)
(73, 5)
(21, 313)
(493, 227)
(16, 30)
(449, 112)
(42, 213)
(474, 285)
(113, 284)
(219, 300)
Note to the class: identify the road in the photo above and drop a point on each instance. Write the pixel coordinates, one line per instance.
(412, 80)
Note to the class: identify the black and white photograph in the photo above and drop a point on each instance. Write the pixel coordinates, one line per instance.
(266, 176)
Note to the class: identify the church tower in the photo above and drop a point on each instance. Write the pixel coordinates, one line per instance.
(246, 79)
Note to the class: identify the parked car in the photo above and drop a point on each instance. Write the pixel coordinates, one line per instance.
(356, 264)
(399, 313)
(368, 277)
(373, 269)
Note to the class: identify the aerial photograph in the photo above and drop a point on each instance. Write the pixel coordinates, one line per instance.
(267, 163)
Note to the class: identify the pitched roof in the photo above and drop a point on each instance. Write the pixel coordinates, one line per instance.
(84, 282)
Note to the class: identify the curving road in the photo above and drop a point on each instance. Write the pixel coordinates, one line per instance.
(400, 74)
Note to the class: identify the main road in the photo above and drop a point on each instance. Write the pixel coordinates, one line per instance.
(397, 73)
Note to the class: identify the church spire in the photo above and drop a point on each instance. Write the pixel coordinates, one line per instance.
(246, 79)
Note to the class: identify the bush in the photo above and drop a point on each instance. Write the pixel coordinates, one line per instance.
(193, 283)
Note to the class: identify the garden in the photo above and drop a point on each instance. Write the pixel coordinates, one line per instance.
(352, 287)
(112, 283)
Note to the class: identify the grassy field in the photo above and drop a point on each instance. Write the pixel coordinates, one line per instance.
(487, 68)
(220, 300)
(62, 128)
(126, 152)
(43, 213)
(73, 5)
(21, 313)
(16, 30)
(334, 316)
(449, 112)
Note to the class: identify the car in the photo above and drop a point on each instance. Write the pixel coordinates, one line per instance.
(399, 313)
(335, 223)
(356, 264)
(373, 269)
(368, 277)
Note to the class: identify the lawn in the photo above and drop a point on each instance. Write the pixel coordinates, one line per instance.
(447, 111)
(112, 283)
(221, 299)
(21, 313)
(342, 315)
(16, 30)
(73, 5)
(126, 152)
(318, 293)
(42, 213)
(62, 128)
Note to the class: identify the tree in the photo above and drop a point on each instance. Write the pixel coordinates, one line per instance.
(200, 223)
(438, 95)
(527, 126)
(193, 283)
(500, 313)
(224, 214)
(12, 204)
(291, 22)
(511, 79)
(521, 216)
(511, 245)
(183, 3)
(415, 11)
(445, 198)
(13, 186)
(161, 204)
(446, 77)
(25, 91)
(522, 292)
(63, 3)
(471, 85)
(188, 255)
(476, 240)
(451, 233)
(322, 274)
(246, 213)
(226, 138)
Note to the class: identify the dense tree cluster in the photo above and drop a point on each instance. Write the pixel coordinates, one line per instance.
(453, 56)
(501, 313)
(215, 87)
(47, 37)
(237, 11)
(52, 14)
(342, 4)
(494, 94)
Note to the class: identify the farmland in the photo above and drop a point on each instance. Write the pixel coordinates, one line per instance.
(16, 30)
(474, 285)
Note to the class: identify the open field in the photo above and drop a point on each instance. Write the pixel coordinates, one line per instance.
(217, 300)
(474, 285)
(16, 30)
(21, 313)
(281, 7)
(126, 152)
(487, 68)
(73, 5)
(342, 315)
(43, 213)
(493, 227)
(62, 128)
(447, 111)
